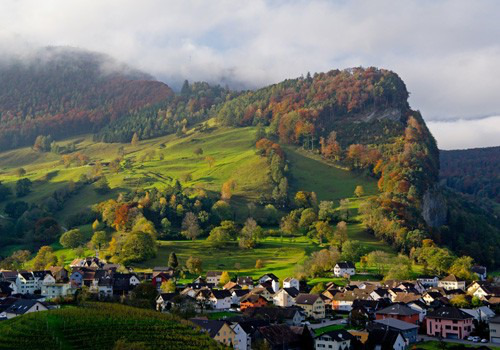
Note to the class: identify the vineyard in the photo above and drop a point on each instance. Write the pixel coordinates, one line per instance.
(101, 326)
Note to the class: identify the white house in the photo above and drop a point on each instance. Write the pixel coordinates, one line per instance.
(291, 282)
(242, 340)
(21, 307)
(344, 268)
(285, 297)
(451, 282)
(26, 283)
(428, 281)
(213, 277)
(220, 299)
(57, 290)
(335, 340)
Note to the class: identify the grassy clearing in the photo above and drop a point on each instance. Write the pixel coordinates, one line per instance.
(333, 327)
(279, 256)
(435, 345)
(309, 173)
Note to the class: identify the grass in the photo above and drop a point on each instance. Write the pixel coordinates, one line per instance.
(333, 327)
(310, 173)
(279, 256)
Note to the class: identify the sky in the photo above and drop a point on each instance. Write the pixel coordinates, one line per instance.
(447, 52)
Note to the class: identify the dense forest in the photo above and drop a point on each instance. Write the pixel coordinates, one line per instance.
(475, 173)
(63, 92)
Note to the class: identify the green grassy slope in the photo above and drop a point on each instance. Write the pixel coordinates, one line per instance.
(100, 326)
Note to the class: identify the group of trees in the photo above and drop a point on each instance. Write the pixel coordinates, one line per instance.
(278, 170)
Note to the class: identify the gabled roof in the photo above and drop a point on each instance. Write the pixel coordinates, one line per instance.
(280, 335)
(221, 294)
(20, 306)
(345, 265)
(271, 276)
(41, 274)
(396, 324)
(272, 314)
(397, 309)
(211, 326)
(292, 291)
(27, 275)
(240, 292)
(449, 313)
(289, 279)
(338, 335)
(451, 278)
(306, 299)
(252, 298)
(214, 273)
(384, 338)
(5, 288)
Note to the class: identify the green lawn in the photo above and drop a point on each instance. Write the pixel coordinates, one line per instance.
(333, 327)
(435, 345)
(279, 256)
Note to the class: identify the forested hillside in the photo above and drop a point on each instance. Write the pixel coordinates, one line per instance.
(357, 119)
(474, 172)
(62, 92)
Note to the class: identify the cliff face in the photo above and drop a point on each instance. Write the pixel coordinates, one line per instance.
(434, 208)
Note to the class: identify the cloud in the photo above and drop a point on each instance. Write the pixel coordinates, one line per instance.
(446, 51)
(463, 134)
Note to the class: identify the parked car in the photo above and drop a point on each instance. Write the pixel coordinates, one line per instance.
(470, 338)
(484, 340)
(476, 339)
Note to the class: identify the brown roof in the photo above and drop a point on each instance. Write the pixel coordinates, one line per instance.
(306, 299)
(451, 278)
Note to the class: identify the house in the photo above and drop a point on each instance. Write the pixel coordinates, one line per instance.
(266, 292)
(379, 293)
(451, 282)
(23, 306)
(431, 297)
(76, 278)
(291, 282)
(220, 299)
(385, 339)
(312, 304)
(408, 330)
(420, 307)
(164, 301)
(280, 336)
(5, 289)
(483, 290)
(166, 270)
(285, 297)
(449, 322)
(7, 275)
(399, 312)
(57, 290)
(231, 285)
(88, 262)
(220, 331)
(336, 340)
(292, 316)
(495, 330)
(343, 301)
(245, 331)
(26, 283)
(404, 297)
(39, 277)
(237, 294)
(428, 281)
(245, 281)
(213, 277)
(268, 277)
(344, 268)
(252, 300)
(480, 271)
(123, 283)
(482, 313)
(160, 278)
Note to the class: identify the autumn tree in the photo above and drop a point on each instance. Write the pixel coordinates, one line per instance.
(462, 268)
(359, 191)
(168, 286)
(259, 264)
(99, 240)
(198, 151)
(20, 172)
(72, 238)
(340, 235)
(44, 258)
(250, 234)
(380, 260)
(210, 160)
(224, 278)
(194, 265)
(190, 226)
(135, 140)
(138, 246)
(323, 230)
(227, 189)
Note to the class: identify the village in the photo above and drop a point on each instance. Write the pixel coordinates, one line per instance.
(247, 313)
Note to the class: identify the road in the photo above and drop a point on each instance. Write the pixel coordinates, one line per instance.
(457, 341)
